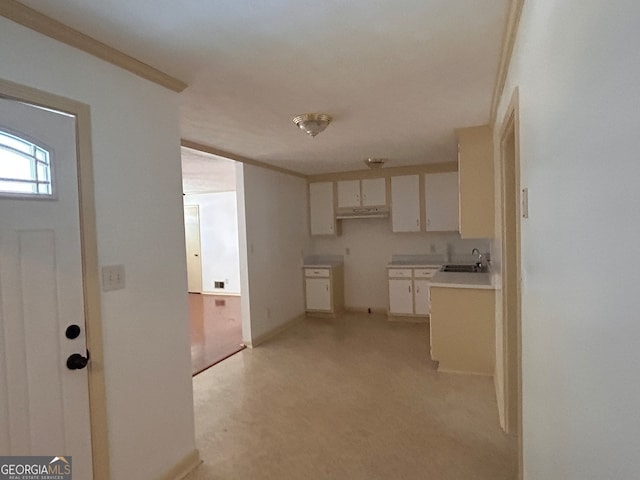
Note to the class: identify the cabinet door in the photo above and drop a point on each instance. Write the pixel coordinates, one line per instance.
(374, 192)
(349, 193)
(322, 219)
(400, 296)
(405, 203)
(421, 297)
(318, 293)
(475, 166)
(441, 201)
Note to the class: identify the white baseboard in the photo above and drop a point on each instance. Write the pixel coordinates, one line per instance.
(460, 372)
(407, 318)
(221, 294)
(381, 311)
(274, 332)
(184, 467)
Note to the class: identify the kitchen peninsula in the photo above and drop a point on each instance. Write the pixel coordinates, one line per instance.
(462, 329)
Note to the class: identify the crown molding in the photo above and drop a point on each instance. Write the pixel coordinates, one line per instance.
(45, 25)
(238, 158)
(441, 167)
(508, 41)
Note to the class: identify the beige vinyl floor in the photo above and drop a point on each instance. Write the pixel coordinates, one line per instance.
(350, 398)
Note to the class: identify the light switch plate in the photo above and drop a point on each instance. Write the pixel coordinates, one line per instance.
(525, 203)
(112, 278)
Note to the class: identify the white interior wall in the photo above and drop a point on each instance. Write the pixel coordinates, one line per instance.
(136, 154)
(578, 68)
(219, 252)
(371, 244)
(273, 225)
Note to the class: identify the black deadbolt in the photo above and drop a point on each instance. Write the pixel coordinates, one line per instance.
(73, 331)
(76, 362)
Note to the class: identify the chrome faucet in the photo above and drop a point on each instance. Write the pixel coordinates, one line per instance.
(480, 265)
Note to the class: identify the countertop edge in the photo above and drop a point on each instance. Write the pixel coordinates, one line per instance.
(324, 265)
(429, 265)
(462, 285)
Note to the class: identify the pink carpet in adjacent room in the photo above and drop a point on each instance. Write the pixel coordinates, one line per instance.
(216, 329)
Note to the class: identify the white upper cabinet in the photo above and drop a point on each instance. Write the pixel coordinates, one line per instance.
(374, 192)
(349, 193)
(370, 192)
(441, 202)
(322, 215)
(405, 203)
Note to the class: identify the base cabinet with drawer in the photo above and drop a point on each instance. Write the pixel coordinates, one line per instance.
(409, 291)
(324, 289)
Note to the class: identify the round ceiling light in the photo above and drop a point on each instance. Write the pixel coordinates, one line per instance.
(374, 162)
(312, 123)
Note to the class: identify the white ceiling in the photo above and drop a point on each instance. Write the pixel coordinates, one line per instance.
(397, 75)
(205, 173)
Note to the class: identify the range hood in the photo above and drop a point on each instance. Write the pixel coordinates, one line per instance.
(362, 212)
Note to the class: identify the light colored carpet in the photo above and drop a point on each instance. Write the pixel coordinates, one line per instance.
(352, 398)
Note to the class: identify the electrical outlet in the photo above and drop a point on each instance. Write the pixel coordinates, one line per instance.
(112, 278)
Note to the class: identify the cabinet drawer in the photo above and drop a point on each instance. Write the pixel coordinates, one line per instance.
(425, 272)
(399, 273)
(316, 272)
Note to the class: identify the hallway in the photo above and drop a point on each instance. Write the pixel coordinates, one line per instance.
(352, 398)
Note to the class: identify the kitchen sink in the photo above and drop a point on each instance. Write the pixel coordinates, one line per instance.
(461, 268)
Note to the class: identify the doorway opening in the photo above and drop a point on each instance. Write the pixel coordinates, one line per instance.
(511, 272)
(213, 257)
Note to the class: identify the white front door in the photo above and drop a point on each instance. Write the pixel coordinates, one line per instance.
(44, 405)
(192, 241)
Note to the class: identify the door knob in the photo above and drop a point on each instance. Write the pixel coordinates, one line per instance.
(73, 331)
(77, 361)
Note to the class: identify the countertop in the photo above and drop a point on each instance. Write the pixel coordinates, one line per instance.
(409, 264)
(463, 280)
(322, 265)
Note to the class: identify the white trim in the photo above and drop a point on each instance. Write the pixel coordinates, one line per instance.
(184, 467)
(274, 331)
(221, 294)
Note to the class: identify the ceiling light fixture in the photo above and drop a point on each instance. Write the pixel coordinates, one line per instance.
(312, 123)
(374, 162)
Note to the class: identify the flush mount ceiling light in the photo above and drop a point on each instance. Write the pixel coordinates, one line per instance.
(312, 123)
(374, 162)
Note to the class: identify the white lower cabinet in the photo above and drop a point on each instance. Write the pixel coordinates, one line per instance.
(421, 297)
(324, 289)
(409, 291)
(401, 296)
(318, 293)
